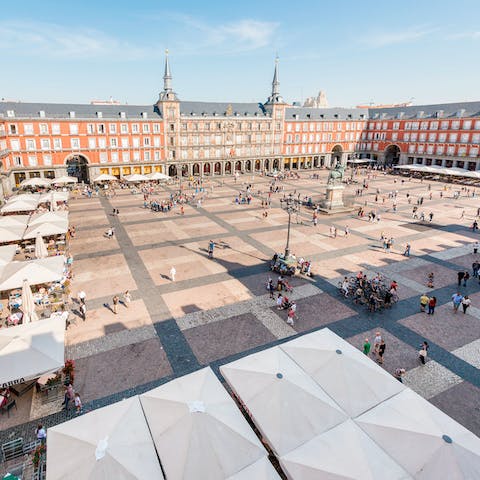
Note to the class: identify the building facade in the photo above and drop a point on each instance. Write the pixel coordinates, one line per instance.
(183, 138)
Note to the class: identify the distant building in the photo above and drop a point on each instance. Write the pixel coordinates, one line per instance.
(320, 101)
(189, 138)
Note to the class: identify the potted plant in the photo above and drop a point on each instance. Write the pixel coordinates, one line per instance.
(69, 370)
(38, 454)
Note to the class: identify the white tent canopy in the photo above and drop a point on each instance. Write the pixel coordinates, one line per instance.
(105, 177)
(21, 203)
(7, 252)
(343, 452)
(28, 351)
(35, 182)
(342, 371)
(423, 439)
(48, 217)
(136, 177)
(46, 229)
(14, 221)
(42, 270)
(64, 179)
(11, 234)
(158, 176)
(55, 196)
(284, 402)
(198, 431)
(112, 442)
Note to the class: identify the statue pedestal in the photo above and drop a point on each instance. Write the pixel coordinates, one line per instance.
(333, 202)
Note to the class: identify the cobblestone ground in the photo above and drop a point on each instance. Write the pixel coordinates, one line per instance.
(217, 310)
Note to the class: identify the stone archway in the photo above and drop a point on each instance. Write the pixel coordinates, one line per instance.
(257, 165)
(77, 166)
(196, 169)
(172, 171)
(228, 168)
(337, 152)
(238, 166)
(206, 169)
(248, 166)
(392, 155)
(217, 169)
(267, 165)
(185, 171)
(276, 165)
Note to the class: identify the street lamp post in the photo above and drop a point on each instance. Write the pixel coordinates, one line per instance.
(291, 205)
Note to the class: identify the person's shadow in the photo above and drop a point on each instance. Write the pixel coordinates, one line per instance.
(108, 307)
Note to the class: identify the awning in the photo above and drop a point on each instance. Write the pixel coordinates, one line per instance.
(28, 351)
(112, 442)
(63, 180)
(136, 177)
(46, 229)
(35, 182)
(198, 431)
(158, 176)
(105, 177)
(7, 252)
(287, 406)
(42, 270)
(48, 217)
(21, 203)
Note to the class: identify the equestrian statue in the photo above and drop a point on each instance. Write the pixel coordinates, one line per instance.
(336, 174)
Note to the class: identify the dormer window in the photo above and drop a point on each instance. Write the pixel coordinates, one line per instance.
(99, 115)
(144, 115)
(71, 114)
(10, 113)
(122, 115)
(41, 113)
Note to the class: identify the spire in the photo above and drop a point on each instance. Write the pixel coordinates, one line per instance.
(275, 82)
(168, 93)
(275, 97)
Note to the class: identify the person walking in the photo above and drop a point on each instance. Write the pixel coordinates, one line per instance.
(366, 347)
(41, 434)
(465, 303)
(424, 299)
(460, 276)
(475, 247)
(78, 403)
(376, 342)
(457, 300)
(173, 272)
(83, 311)
(475, 268)
(271, 288)
(406, 252)
(381, 351)
(432, 303)
(422, 354)
(347, 230)
(466, 276)
(115, 301)
(127, 298)
(69, 395)
(81, 295)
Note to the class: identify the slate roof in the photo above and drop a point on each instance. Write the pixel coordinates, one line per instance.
(219, 108)
(82, 111)
(309, 113)
(471, 109)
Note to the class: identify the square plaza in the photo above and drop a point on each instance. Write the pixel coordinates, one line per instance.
(218, 309)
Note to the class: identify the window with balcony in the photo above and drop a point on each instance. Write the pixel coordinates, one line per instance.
(101, 129)
(45, 143)
(73, 128)
(156, 128)
(55, 128)
(57, 143)
(112, 128)
(28, 128)
(12, 129)
(467, 124)
(452, 137)
(92, 143)
(444, 125)
(113, 142)
(124, 128)
(30, 144)
(455, 124)
(136, 130)
(90, 128)
(47, 160)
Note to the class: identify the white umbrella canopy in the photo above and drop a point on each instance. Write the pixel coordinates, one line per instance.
(21, 203)
(64, 179)
(260, 470)
(30, 350)
(158, 176)
(7, 252)
(197, 429)
(112, 442)
(284, 402)
(422, 439)
(343, 452)
(35, 182)
(48, 217)
(342, 371)
(28, 304)
(136, 177)
(105, 177)
(14, 221)
(40, 248)
(11, 234)
(42, 270)
(54, 196)
(46, 229)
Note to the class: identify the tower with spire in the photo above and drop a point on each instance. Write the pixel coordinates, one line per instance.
(167, 94)
(275, 96)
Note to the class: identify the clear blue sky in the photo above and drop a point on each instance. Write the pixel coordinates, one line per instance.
(357, 51)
